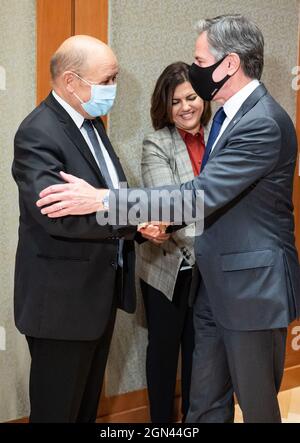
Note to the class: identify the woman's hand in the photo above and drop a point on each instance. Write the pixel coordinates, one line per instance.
(154, 232)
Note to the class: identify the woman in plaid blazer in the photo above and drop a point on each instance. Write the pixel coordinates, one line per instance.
(172, 154)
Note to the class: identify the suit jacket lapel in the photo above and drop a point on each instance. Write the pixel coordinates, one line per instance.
(248, 104)
(78, 140)
(181, 157)
(72, 132)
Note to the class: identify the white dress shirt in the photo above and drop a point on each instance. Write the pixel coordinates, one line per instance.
(234, 103)
(78, 120)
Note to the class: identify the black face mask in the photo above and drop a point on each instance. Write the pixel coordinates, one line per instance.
(202, 81)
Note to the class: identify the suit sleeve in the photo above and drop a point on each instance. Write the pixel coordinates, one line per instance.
(36, 165)
(250, 154)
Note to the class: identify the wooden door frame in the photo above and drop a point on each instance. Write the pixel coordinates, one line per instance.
(56, 20)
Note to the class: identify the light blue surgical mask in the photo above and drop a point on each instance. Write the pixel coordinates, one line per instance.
(102, 98)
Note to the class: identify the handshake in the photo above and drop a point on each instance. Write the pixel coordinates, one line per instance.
(154, 232)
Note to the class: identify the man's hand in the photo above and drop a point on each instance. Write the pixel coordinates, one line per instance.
(154, 232)
(76, 197)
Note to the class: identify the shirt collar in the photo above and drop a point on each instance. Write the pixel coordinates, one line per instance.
(184, 134)
(234, 103)
(75, 116)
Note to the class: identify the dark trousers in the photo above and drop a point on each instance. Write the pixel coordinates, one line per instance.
(249, 363)
(170, 325)
(66, 378)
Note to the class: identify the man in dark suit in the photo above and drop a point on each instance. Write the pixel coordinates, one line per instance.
(70, 272)
(250, 288)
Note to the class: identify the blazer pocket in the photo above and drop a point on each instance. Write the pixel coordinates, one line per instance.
(247, 260)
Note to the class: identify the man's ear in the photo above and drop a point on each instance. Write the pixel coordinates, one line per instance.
(233, 63)
(68, 79)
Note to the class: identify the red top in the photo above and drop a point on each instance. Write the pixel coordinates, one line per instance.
(195, 146)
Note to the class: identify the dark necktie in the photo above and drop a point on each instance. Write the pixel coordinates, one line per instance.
(218, 120)
(89, 127)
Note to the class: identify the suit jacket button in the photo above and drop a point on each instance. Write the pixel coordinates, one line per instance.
(114, 264)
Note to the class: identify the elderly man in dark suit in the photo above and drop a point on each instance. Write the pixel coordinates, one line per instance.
(71, 273)
(250, 289)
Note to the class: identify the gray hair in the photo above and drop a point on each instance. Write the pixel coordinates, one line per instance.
(235, 33)
(67, 60)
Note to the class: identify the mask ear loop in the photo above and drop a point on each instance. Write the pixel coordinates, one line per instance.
(85, 81)
(78, 98)
(78, 76)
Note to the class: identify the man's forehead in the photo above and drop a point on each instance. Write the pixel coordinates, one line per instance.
(107, 64)
(201, 42)
(202, 48)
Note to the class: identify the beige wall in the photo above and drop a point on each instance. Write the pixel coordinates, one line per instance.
(148, 35)
(17, 60)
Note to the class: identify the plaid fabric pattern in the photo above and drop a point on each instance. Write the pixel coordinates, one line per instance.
(165, 161)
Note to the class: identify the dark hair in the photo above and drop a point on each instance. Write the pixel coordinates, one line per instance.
(161, 101)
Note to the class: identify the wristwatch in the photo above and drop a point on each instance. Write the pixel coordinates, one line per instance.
(105, 201)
